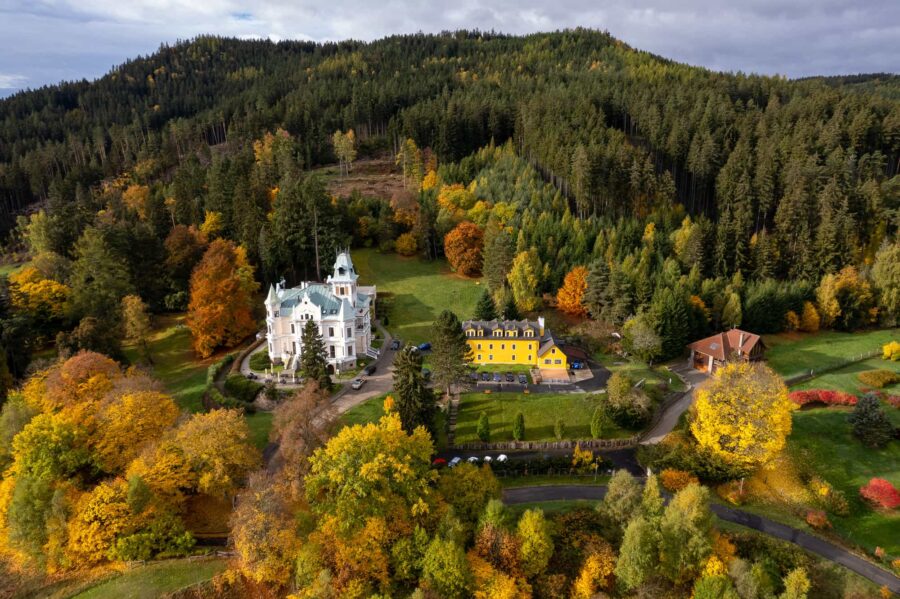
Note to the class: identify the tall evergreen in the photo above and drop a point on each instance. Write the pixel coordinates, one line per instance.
(498, 255)
(414, 400)
(596, 296)
(485, 309)
(870, 424)
(669, 312)
(450, 354)
(313, 358)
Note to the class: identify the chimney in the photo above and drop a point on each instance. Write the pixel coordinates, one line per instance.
(541, 325)
(741, 344)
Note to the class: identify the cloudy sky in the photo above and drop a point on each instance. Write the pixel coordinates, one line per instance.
(45, 41)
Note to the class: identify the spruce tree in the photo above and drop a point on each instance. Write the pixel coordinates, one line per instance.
(669, 312)
(498, 255)
(518, 431)
(510, 310)
(485, 309)
(313, 359)
(870, 424)
(596, 297)
(414, 400)
(484, 428)
(450, 354)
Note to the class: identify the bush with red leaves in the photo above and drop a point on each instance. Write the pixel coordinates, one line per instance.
(823, 396)
(881, 493)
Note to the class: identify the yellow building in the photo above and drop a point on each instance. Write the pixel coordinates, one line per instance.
(525, 342)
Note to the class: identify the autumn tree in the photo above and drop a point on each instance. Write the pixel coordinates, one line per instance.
(129, 424)
(415, 401)
(685, 534)
(463, 246)
(846, 300)
(809, 319)
(313, 364)
(184, 248)
(886, 278)
(570, 296)
(596, 573)
(136, 323)
(535, 542)
(345, 149)
(742, 414)
(222, 298)
(450, 354)
(524, 280)
(623, 496)
(641, 338)
(446, 571)
(468, 489)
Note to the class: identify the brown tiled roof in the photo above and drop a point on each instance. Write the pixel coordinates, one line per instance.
(576, 353)
(722, 345)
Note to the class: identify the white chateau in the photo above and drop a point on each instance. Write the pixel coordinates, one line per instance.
(340, 307)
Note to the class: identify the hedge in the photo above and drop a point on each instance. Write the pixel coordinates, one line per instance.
(878, 378)
(823, 396)
(242, 388)
(229, 402)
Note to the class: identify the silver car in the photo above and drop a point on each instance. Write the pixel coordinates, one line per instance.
(357, 384)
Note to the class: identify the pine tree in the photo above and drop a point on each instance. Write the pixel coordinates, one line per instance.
(414, 400)
(498, 255)
(518, 431)
(484, 428)
(596, 297)
(450, 354)
(485, 309)
(669, 312)
(510, 309)
(313, 359)
(597, 421)
(870, 424)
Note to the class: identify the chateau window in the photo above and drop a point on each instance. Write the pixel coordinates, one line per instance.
(514, 346)
(292, 329)
(331, 350)
(479, 357)
(557, 361)
(491, 358)
(480, 333)
(529, 333)
(349, 350)
(490, 346)
(514, 357)
(498, 333)
(470, 333)
(547, 361)
(269, 328)
(502, 346)
(479, 346)
(331, 331)
(529, 358)
(276, 312)
(349, 332)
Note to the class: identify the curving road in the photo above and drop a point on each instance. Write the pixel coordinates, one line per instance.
(813, 544)
(669, 419)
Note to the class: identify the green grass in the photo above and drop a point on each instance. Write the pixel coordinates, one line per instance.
(637, 370)
(822, 439)
(174, 362)
(260, 424)
(416, 290)
(546, 480)
(791, 354)
(154, 580)
(372, 410)
(845, 379)
(540, 410)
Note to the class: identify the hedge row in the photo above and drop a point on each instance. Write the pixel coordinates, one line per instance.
(823, 396)
(242, 388)
(878, 378)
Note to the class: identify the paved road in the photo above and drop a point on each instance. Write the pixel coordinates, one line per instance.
(670, 418)
(811, 543)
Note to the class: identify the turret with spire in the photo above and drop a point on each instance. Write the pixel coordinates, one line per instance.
(343, 279)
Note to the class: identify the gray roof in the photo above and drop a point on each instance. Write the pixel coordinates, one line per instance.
(519, 326)
(318, 294)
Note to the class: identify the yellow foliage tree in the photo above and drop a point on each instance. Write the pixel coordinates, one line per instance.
(743, 414)
(570, 295)
(596, 573)
(99, 517)
(165, 470)
(130, 423)
(42, 299)
(809, 319)
(406, 244)
(212, 224)
(136, 198)
(846, 300)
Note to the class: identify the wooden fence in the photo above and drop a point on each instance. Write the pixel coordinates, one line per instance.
(540, 445)
(814, 372)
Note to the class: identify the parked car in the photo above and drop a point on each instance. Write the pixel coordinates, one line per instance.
(251, 376)
(439, 462)
(502, 458)
(510, 378)
(369, 370)
(473, 376)
(497, 377)
(485, 376)
(577, 365)
(395, 344)
(487, 459)
(357, 384)
(472, 460)
(455, 461)
(523, 379)
(424, 346)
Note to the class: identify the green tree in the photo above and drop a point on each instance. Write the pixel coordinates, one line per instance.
(641, 338)
(685, 529)
(518, 431)
(415, 401)
(450, 354)
(485, 308)
(524, 280)
(446, 571)
(796, 585)
(99, 278)
(870, 424)
(651, 500)
(596, 297)
(136, 323)
(669, 312)
(598, 420)
(484, 427)
(498, 255)
(313, 364)
(535, 542)
(469, 489)
(622, 499)
(639, 554)
(886, 278)
(714, 587)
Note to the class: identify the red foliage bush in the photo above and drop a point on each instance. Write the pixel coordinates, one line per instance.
(881, 493)
(823, 396)
(817, 519)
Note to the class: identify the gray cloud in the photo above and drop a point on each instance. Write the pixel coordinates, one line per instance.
(44, 41)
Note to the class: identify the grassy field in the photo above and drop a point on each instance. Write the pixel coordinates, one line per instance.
(260, 424)
(416, 290)
(540, 410)
(174, 362)
(795, 353)
(638, 370)
(546, 480)
(845, 379)
(372, 410)
(148, 582)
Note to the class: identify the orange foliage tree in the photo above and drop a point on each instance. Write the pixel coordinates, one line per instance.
(570, 295)
(463, 246)
(220, 312)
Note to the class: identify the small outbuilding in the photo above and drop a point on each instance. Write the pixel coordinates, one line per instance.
(731, 346)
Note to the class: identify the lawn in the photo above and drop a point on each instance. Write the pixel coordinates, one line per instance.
(174, 362)
(822, 439)
(260, 424)
(155, 580)
(845, 379)
(540, 410)
(416, 291)
(791, 354)
(372, 410)
(639, 370)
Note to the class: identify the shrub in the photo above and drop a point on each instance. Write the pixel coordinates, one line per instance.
(878, 378)
(823, 396)
(791, 321)
(809, 319)
(880, 493)
(260, 361)
(891, 351)
(518, 431)
(731, 492)
(239, 387)
(559, 429)
(817, 519)
(828, 497)
(675, 480)
(484, 428)
(406, 245)
(870, 424)
(597, 422)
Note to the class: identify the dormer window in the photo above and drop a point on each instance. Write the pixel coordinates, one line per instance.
(480, 333)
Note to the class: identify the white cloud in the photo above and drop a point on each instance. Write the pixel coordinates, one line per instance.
(10, 81)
